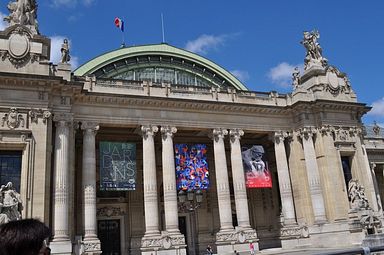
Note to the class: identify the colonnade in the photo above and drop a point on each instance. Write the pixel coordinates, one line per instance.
(90, 240)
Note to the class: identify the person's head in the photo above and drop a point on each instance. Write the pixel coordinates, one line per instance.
(24, 237)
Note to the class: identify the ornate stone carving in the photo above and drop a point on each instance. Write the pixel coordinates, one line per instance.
(110, 211)
(62, 117)
(326, 130)
(152, 242)
(280, 136)
(91, 246)
(236, 134)
(167, 131)
(294, 231)
(92, 126)
(13, 119)
(334, 86)
(356, 194)
(35, 114)
(219, 133)
(10, 204)
(369, 221)
(147, 130)
(342, 135)
(241, 236)
(23, 12)
(314, 55)
(306, 132)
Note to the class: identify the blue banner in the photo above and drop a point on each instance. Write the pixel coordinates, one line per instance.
(117, 166)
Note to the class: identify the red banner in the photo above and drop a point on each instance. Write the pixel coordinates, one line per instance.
(257, 174)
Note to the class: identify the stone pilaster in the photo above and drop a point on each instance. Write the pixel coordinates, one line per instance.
(329, 162)
(222, 182)
(288, 208)
(239, 180)
(306, 134)
(169, 180)
(150, 181)
(90, 240)
(61, 244)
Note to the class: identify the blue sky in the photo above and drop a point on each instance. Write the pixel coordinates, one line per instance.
(256, 40)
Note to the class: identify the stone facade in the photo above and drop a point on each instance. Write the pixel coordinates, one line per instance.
(57, 121)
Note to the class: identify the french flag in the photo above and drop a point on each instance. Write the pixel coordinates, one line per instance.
(119, 23)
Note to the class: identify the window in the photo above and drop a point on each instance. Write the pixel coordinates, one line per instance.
(10, 168)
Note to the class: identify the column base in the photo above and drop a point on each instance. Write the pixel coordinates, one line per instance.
(163, 244)
(61, 247)
(238, 239)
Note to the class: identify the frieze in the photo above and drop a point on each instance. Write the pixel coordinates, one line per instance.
(109, 211)
(91, 246)
(13, 119)
(294, 231)
(152, 242)
(35, 114)
(237, 237)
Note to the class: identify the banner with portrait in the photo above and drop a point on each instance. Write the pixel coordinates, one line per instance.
(257, 174)
(117, 166)
(191, 167)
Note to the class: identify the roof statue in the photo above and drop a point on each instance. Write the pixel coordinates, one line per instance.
(295, 78)
(65, 57)
(10, 203)
(23, 12)
(314, 55)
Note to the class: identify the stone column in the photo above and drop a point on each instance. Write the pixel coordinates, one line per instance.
(239, 179)
(91, 242)
(150, 181)
(306, 135)
(288, 208)
(169, 180)
(61, 243)
(222, 182)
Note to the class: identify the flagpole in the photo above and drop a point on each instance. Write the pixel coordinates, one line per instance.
(162, 27)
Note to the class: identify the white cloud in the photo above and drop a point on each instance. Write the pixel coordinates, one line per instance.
(241, 75)
(3, 24)
(282, 74)
(56, 42)
(378, 108)
(204, 43)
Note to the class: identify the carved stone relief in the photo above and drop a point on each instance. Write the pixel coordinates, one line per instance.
(13, 119)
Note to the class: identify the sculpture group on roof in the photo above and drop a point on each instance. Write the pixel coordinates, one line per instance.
(23, 12)
(314, 55)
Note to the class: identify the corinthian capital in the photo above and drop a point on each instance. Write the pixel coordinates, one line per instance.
(219, 133)
(90, 125)
(326, 130)
(148, 130)
(306, 132)
(280, 136)
(167, 131)
(236, 134)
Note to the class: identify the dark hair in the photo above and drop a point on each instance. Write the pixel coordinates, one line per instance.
(23, 237)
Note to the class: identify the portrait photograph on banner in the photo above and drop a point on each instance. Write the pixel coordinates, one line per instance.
(117, 166)
(191, 167)
(257, 174)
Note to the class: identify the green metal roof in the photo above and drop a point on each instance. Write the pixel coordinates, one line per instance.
(108, 58)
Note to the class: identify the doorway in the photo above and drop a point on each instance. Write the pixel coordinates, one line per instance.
(109, 235)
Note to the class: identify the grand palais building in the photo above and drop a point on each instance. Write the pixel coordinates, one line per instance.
(156, 150)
